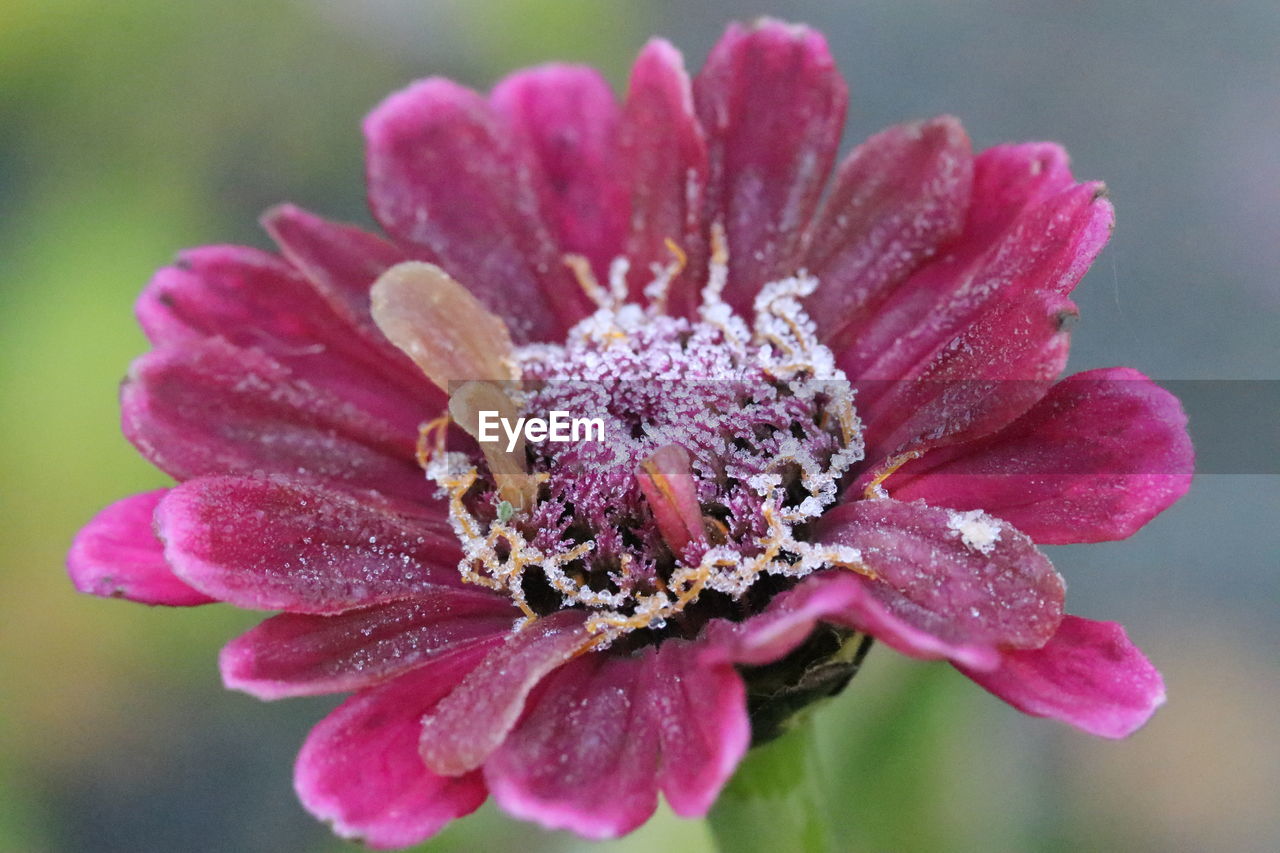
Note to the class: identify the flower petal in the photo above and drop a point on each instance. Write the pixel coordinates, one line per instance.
(360, 769)
(605, 733)
(697, 703)
(1088, 675)
(773, 105)
(566, 117)
(342, 261)
(446, 177)
(461, 733)
(296, 654)
(842, 598)
(666, 157)
(670, 489)
(208, 408)
(117, 555)
(277, 544)
(1101, 455)
(255, 300)
(441, 326)
(583, 757)
(964, 578)
(897, 199)
(992, 372)
(1029, 229)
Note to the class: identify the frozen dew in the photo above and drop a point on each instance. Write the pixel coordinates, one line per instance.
(977, 530)
(762, 416)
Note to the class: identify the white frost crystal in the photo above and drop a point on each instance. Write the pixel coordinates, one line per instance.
(979, 531)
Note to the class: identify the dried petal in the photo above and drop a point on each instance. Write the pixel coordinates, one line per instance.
(510, 468)
(666, 478)
(441, 326)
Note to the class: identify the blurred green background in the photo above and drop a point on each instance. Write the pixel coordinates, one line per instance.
(129, 130)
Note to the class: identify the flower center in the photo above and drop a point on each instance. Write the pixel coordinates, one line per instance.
(721, 441)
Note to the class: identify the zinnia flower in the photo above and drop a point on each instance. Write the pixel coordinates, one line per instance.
(831, 409)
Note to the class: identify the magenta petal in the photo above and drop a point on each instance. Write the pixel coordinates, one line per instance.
(566, 117)
(973, 580)
(474, 719)
(605, 733)
(842, 598)
(256, 300)
(773, 105)
(208, 408)
(360, 770)
(1101, 455)
(1088, 675)
(117, 555)
(342, 261)
(897, 199)
(1028, 230)
(584, 757)
(994, 371)
(446, 176)
(297, 654)
(697, 704)
(276, 544)
(666, 157)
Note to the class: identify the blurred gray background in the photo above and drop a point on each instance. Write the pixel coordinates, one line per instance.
(131, 130)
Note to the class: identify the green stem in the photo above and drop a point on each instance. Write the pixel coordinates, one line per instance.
(774, 801)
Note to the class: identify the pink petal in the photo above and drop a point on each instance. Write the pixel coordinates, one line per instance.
(566, 118)
(446, 176)
(666, 158)
(1101, 455)
(208, 408)
(842, 598)
(276, 544)
(965, 581)
(360, 770)
(1029, 229)
(297, 654)
(473, 720)
(1088, 675)
(583, 757)
(255, 300)
(666, 479)
(897, 199)
(342, 261)
(773, 106)
(994, 371)
(697, 703)
(117, 555)
(605, 733)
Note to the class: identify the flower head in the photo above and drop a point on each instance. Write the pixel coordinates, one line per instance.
(827, 419)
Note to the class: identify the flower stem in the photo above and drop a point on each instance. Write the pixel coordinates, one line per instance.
(775, 800)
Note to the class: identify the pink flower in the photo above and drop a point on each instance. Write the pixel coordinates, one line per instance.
(574, 628)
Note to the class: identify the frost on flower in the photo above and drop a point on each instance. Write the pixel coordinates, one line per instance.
(832, 410)
(976, 529)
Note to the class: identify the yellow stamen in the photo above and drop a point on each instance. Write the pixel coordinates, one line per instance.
(875, 489)
(439, 427)
(586, 278)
